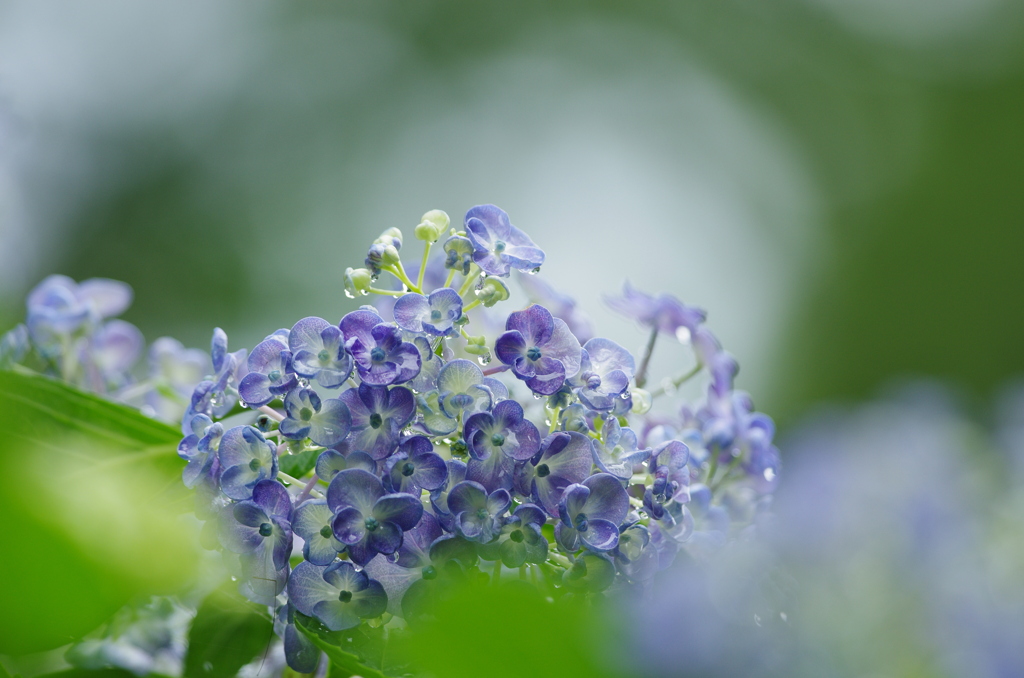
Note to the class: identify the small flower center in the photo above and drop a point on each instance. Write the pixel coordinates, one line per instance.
(435, 315)
(429, 572)
(543, 471)
(326, 532)
(324, 355)
(305, 413)
(516, 536)
(254, 464)
(266, 529)
(593, 381)
(499, 246)
(459, 447)
(371, 524)
(497, 440)
(408, 469)
(481, 513)
(377, 354)
(533, 353)
(345, 596)
(581, 522)
(376, 420)
(274, 375)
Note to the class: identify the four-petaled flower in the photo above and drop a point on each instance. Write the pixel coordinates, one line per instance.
(499, 246)
(270, 372)
(378, 415)
(435, 314)
(605, 371)
(245, 459)
(477, 515)
(590, 514)
(325, 422)
(338, 595)
(381, 357)
(368, 520)
(539, 348)
(318, 352)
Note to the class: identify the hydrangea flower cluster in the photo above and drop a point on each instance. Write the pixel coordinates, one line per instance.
(399, 452)
(71, 333)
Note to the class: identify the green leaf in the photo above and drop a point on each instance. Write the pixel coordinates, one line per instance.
(368, 652)
(227, 633)
(298, 465)
(89, 494)
(97, 673)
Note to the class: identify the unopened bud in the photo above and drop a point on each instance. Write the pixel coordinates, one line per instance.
(432, 225)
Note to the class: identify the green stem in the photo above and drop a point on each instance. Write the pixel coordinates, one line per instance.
(450, 278)
(679, 381)
(712, 467)
(725, 476)
(470, 280)
(471, 305)
(387, 293)
(423, 264)
(641, 372)
(399, 272)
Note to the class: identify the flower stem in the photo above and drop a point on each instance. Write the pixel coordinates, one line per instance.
(641, 372)
(471, 305)
(423, 264)
(307, 489)
(387, 293)
(272, 413)
(470, 280)
(450, 278)
(679, 381)
(495, 370)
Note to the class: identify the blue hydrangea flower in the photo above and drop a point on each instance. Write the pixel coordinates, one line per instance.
(520, 540)
(439, 498)
(635, 556)
(539, 348)
(664, 312)
(381, 357)
(338, 595)
(605, 371)
(331, 461)
(462, 389)
(564, 459)
(174, 371)
(477, 513)
(499, 246)
(368, 520)
(14, 344)
(199, 448)
(504, 430)
(312, 521)
(415, 467)
(260, 529)
(58, 305)
(433, 416)
(435, 314)
(671, 474)
(270, 372)
(318, 352)
(590, 514)
(493, 473)
(617, 453)
(301, 655)
(325, 422)
(430, 364)
(458, 254)
(114, 349)
(378, 416)
(245, 459)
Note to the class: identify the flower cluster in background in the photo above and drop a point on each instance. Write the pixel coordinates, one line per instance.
(71, 333)
(428, 440)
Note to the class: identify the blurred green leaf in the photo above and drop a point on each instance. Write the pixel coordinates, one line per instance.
(89, 491)
(97, 673)
(298, 465)
(227, 633)
(365, 649)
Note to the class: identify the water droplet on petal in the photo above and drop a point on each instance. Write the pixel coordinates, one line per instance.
(769, 474)
(484, 359)
(535, 271)
(537, 396)
(363, 292)
(683, 335)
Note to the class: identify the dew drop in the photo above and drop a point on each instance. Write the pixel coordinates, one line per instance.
(683, 335)
(363, 292)
(484, 359)
(535, 271)
(537, 396)
(234, 579)
(625, 395)
(769, 474)
(349, 294)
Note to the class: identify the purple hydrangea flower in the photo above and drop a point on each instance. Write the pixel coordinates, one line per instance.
(415, 467)
(539, 348)
(435, 314)
(325, 422)
(458, 254)
(246, 458)
(618, 453)
(590, 514)
(318, 352)
(301, 655)
(331, 461)
(378, 416)
(503, 430)
(439, 498)
(338, 595)
(312, 521)
(199, 448)
(605, 371)
(477, 513)
(565, 458)
(664, 312)
(270, 372)
(380, 355)
(671, 474)
(59, 306)
(176, 369)
(462, 389)
(368, 520)
(520, 540)
(260, 529)
(499, 246)
(538, 291)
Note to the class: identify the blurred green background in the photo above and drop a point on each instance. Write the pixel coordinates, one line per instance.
(838, 182)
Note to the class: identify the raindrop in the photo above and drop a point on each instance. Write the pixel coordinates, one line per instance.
(234, 579)
(535, 271)
(625, 395)
(668, 386)
(349, 294)
(757, 620)
(537, 396)
(363, 292)
(769, 474)
(484, 359)
(683, 335)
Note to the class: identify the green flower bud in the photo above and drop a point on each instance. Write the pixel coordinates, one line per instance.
(432, 225)
(492, 291)
(641, 401)
(357, 282)
(392, 237)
